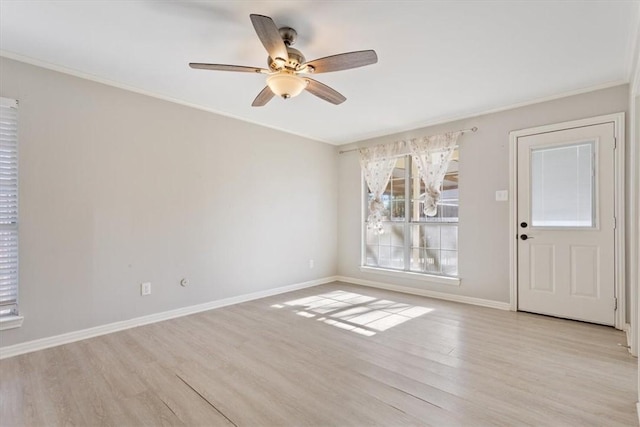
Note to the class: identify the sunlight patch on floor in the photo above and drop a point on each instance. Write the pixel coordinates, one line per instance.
(354, 312)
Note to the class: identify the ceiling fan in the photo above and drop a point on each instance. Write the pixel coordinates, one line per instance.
(288, 69)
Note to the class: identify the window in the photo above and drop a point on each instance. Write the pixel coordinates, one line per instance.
(8, 208)
(411, 241)
(563, 186)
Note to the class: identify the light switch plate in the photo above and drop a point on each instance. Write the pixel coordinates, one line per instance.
(502, 195)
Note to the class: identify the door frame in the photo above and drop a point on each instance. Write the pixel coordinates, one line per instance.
(619, 204)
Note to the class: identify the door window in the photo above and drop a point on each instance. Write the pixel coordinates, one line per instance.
(562, 186)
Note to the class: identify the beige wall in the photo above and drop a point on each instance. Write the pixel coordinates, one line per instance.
(484, 168)
(118, 188)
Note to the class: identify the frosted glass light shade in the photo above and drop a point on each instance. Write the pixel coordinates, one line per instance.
(286, 85)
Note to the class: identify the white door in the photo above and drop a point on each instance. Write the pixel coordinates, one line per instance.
(566, 223)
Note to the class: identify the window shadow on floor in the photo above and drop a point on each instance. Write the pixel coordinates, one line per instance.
(361, 314)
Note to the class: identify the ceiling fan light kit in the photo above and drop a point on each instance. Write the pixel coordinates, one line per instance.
(286, 64)
(286, 84)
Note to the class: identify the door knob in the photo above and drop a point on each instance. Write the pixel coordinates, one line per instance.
(525, 237)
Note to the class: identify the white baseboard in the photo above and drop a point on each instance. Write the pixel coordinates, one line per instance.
(627, 330)
(425, 293)
(638, 411)
(41, 344)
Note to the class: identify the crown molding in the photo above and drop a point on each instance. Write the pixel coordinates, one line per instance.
(97, 79)
(362, 138)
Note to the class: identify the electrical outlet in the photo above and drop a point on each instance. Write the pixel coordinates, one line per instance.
(311, 263)
(145, 288)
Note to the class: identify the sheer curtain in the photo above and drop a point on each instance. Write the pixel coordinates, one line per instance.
(377, 165)
(432, 155)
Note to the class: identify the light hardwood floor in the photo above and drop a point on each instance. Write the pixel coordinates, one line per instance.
(334, 355)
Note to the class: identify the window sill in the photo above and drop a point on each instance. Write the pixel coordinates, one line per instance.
(443, 280)
(10, 322)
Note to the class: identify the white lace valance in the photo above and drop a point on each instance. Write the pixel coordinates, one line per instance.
(432, 155)
(377, 164)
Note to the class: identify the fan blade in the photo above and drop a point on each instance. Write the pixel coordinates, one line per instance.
(263, 97)
(324, 92)
(344, 61)
(269, 36)
(223, 67)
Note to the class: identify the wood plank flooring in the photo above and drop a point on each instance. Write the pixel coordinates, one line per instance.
(332, 355)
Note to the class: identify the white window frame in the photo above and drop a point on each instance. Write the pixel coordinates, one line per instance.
(402, 274)
(12, 319)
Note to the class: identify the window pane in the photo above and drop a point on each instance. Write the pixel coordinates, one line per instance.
(385, 256)
(372, 236)
(562, 190)
(417, 188)
(384, 239)
(432, 261)
(397, 191)
(417, 259)
(386, 249)
(397, 257)
(431, 236)
(448, 206)
(396, 234)
(449, 261)
(434, 248)
(372, 256)
(449, 237)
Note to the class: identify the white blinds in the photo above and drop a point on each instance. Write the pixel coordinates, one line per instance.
(8, 206)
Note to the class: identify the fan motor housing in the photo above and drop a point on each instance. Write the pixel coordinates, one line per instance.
(296, 59)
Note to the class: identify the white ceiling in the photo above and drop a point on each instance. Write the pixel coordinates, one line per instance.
(437, 60)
